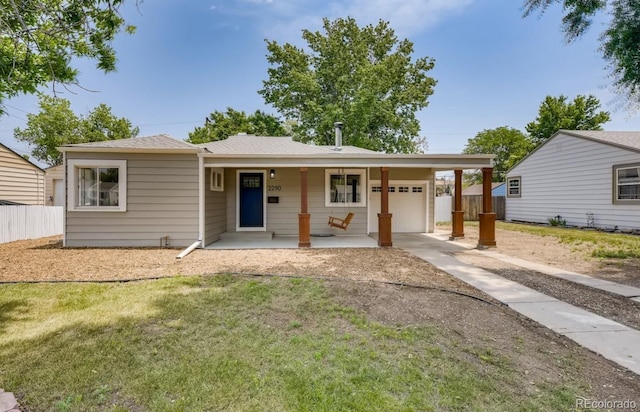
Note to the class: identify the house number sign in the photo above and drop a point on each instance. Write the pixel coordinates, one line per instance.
(275, 188)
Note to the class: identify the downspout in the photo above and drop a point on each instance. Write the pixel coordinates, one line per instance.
(65, 204)
(201, 203)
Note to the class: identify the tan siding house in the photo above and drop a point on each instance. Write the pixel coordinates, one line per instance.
(153, 191)
(20, 180)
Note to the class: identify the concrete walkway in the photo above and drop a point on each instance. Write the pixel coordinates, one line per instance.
(8, 402)
(616, 342)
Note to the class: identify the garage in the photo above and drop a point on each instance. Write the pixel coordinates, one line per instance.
(407, 203)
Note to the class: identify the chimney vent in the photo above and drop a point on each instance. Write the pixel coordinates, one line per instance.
(338, 127)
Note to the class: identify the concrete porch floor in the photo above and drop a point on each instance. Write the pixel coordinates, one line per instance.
(291, 242)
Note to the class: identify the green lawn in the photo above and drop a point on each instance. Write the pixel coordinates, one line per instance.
(239, 343)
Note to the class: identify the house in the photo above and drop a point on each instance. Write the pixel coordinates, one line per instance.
(147, 190)
(54, 185)
(497, 189)
(21, 181)
(589, 178)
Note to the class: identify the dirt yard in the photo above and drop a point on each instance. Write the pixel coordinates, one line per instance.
(372, 282)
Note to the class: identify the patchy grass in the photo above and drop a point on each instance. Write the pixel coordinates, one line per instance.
(600, 244)
(240, 343)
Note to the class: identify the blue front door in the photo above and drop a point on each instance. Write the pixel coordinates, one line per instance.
(251, 200)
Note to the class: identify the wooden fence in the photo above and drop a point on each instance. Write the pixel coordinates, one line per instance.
(472, 206)
(29, 222)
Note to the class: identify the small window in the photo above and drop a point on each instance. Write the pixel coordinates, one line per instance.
(626, 184)
(216, 182)
(514, 186)
(344, 187)
(403, 189)
(416, 189)
(392, 189)
(376, 189)
(97, 185)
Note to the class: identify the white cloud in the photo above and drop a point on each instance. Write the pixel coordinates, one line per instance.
(407, 17)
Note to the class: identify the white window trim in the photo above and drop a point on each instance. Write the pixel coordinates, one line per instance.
(363, 187)
(216, 179)
(616, 185)
(72, 186)
(519, 179)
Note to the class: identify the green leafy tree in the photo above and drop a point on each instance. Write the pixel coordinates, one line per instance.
(557, 113)
(39, 40)
(620, 42)
(509, 145)
(364, 77)
(101, 124)
(219, 126)
(56, 125)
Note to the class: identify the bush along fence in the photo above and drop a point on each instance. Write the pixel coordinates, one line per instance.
(29, 222)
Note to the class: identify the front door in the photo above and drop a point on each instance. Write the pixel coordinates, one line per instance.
(251, 200)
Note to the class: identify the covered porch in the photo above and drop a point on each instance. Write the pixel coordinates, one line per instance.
(291, 197)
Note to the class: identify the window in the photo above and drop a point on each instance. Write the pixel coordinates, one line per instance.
(416, 189)
(514, 186)
(626, 180)
(376, 189)
(403, 189)
(345, 187)
(97, 185)
(216, 181)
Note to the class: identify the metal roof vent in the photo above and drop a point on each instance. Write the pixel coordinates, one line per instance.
(338, 127)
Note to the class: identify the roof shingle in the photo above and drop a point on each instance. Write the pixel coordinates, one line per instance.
(161, 141)
(270, 145)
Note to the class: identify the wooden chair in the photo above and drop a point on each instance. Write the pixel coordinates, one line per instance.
(341, 223)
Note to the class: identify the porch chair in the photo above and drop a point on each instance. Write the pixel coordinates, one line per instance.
(341, 223)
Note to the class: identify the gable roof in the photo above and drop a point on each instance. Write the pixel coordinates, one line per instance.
(270, 145)
(147, 144)
(248, 150)
(35, 166)
(625, 140)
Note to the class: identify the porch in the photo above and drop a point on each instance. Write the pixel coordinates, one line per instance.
(291, 242)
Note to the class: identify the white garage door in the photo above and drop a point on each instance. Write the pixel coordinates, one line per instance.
(407, 203)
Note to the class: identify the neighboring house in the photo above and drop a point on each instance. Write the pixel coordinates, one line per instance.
(20, 180)
(497, 189)
(589, 178)
(134, 192)
(54, 179)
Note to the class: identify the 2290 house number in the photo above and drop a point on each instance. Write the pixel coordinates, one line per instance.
(274, 188)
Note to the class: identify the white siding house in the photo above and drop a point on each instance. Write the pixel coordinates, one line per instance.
(589, 178)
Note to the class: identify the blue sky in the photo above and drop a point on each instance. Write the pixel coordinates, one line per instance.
(189, 58)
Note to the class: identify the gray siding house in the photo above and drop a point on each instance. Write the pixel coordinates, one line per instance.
(153, 191)
(589, 178)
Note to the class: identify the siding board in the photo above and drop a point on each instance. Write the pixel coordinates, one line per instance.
(157, 204)
(20, 180)
(571, 177)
